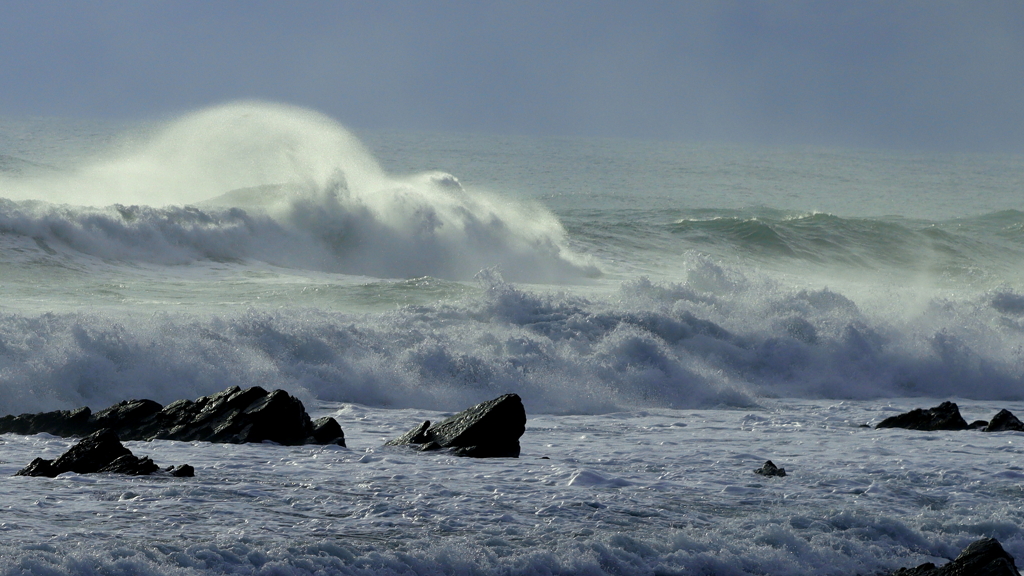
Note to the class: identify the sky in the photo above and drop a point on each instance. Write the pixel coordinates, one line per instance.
(863, 73)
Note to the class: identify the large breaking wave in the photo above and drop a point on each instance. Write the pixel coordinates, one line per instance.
(285, 186)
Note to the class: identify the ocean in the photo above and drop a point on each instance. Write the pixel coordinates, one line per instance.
(672, 315)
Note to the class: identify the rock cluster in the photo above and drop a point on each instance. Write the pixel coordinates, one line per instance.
(101, 451)
(488, 430)
(234, 416)
(946, 416)
(984, 557)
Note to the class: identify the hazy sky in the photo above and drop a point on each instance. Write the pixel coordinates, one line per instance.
(919, 74)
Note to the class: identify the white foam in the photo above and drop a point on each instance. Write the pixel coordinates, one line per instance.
(625, 493)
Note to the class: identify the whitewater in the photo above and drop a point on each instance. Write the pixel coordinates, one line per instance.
(672, 316)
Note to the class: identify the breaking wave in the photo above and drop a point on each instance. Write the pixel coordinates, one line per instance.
(286, 186)
(721, 338)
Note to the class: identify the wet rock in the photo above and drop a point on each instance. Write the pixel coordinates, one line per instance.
(326, 430)
(182, 471)
(1004, 420)
(945, 416)
(978, 425)
(101, 451)
(233, 416)
(984, 557)
(770, 469)
(488, 430)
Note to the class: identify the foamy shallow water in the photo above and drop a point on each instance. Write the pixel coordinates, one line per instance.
(643, 492)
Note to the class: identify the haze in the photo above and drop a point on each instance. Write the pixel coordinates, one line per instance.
(911, 75)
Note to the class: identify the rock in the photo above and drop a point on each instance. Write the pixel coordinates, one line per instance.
(770, 469)
(182, 471)
(1004, 420)
(488, 430)
(984, 557)
(232, 416)
(978, 425)
(101, 451)
(59, 423)
(326, 430)
(126, 417)
(945, 416)
(131, 465)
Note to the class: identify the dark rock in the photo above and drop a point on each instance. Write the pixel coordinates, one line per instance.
(984, 557)
(326, 430)
(488, 430)
(59, 423)
(417, 435)
(38, 467)
(770, 469)
(232, 416)
(1003, 421)
(98, 452)
(125, 417)
(945, 416)
(978, 425)
(131, 465)
(182, 471)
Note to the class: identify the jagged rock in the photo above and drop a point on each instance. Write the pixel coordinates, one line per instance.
(232, 416)
(770, 469)
(101, 451)
(126, 417)
(59, 423)
(984, 557)
(945, 416)
(488, 430)
(1004, 420)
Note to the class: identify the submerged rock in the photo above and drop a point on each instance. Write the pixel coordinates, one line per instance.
(984, 557)
(770, 469)
(101, 451)
(488, 430)
(233, 416)
(945, 416)
(1004, 420)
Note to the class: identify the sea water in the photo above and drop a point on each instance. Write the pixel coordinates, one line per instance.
(672, 315)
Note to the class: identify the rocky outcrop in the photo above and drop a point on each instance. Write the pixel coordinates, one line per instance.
(945, 416)
(101, 451)
(233, 416)
(770, 469)
(488, 430)
(1003, 421)
(985, 557)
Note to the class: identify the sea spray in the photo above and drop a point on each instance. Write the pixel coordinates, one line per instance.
(289, 187)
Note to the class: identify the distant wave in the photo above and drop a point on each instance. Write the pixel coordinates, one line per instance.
(288, 187)
(861, 242)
